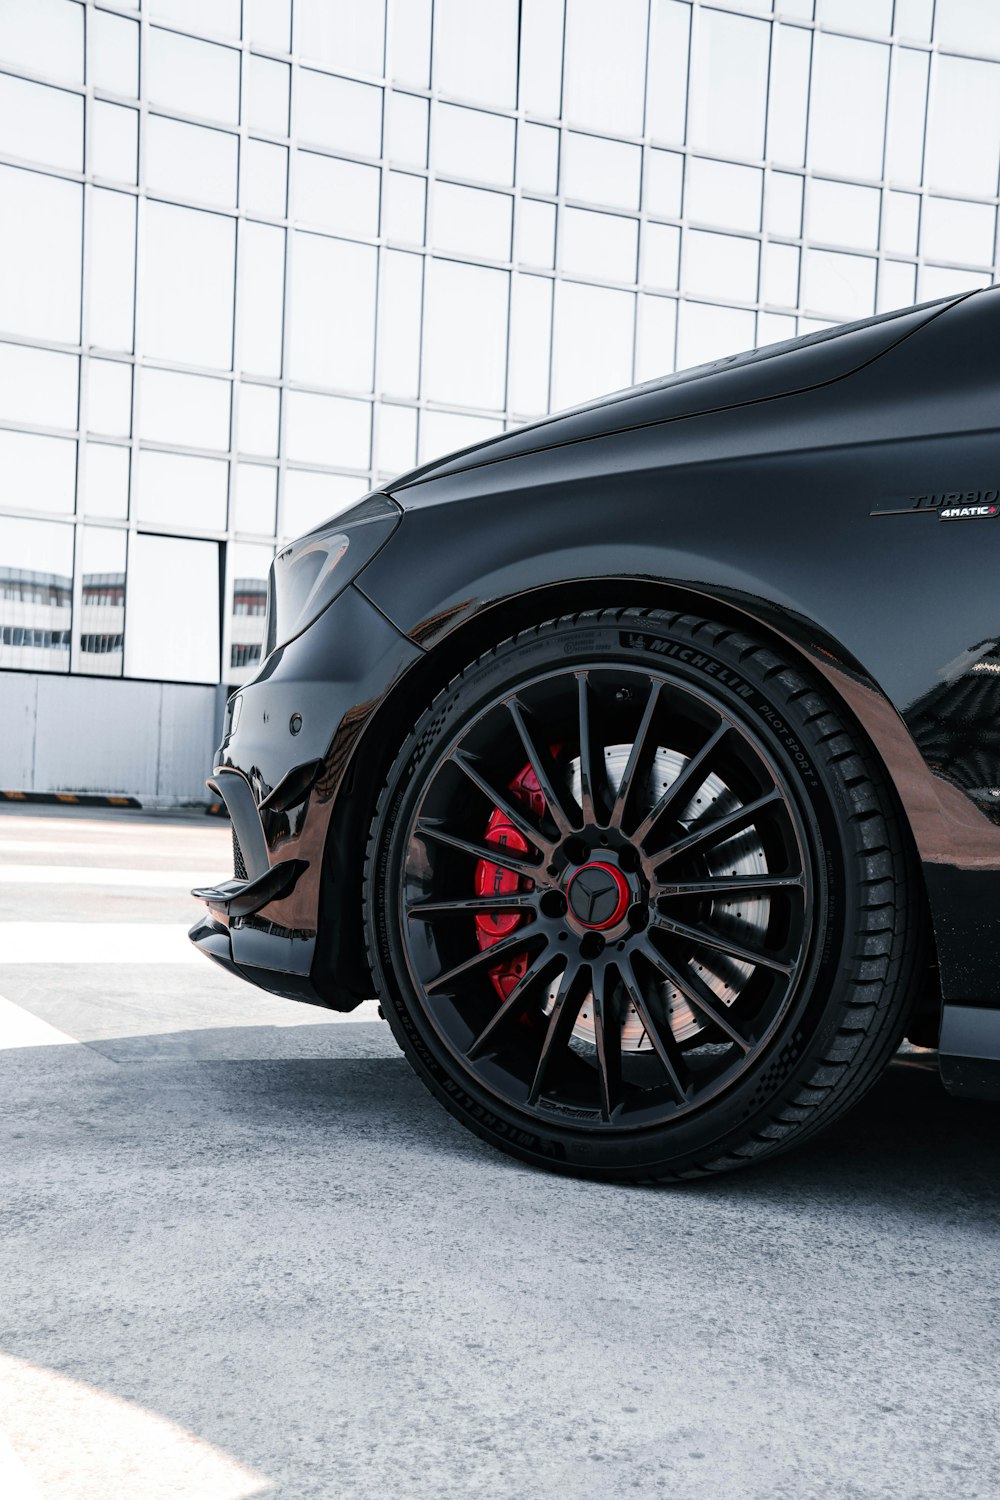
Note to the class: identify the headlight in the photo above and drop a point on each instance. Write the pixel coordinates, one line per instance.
(309, 573)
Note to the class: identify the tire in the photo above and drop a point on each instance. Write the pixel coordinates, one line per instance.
(640, 902)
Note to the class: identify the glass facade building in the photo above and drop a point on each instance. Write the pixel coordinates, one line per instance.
(257, 257)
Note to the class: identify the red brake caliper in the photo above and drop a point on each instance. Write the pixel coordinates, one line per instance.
(494, 880)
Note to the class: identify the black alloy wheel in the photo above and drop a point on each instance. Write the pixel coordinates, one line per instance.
(615, 888)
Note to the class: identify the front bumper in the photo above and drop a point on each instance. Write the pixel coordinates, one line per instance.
(290, 739)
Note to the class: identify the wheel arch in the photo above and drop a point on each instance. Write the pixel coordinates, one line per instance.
(858, 697)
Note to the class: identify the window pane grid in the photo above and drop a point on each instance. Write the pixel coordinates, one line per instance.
(468, 180)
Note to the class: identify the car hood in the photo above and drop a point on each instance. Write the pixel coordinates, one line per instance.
(740, 379)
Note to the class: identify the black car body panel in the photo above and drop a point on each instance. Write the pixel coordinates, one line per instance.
(799, 489)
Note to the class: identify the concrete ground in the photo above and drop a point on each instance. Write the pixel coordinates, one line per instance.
(242, 1252)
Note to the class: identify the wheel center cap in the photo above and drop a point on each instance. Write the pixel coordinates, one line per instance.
(598, 896)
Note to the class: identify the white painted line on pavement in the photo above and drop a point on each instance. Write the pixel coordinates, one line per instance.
(20, 1028)
(96, 943)
(110, 846)
(102, 875)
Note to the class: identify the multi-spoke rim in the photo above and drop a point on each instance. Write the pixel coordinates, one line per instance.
(680, 939)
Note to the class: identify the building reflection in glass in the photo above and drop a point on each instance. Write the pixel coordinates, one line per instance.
(249, 566)
(36, 594)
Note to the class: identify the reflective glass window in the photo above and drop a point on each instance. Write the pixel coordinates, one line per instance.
(43, 36)
(471, 222)
(410, 42)
(465, 334)
(267, 84)
(720, 265)
(100, 625)
(191, 411)
(114, 53)
(444, 432)
(661, 255)
(335, 194)
(958, 231)
(187, 285)
(593, 342)
(268, 23)
(536, 232)
(656, 337)
(181, 492)
(716, 192)
(540, 78)
(400, 323)
(904, 148)
(172, 629)
(328, 430)
(40, 285)
(968, 26)
(873, 16)
(897, 285)
(332, 312)
(848, 142)
(475, 50)
(667, 77)
(309, 498)
(599, 245)
(193, 77)
(789, 95)
(729, 84)
(41, 124)
(843, 214)
(601, 171)
(604, 85)
(838, 286)
(662, 182)
(38, 386)
(265, 178)
(397, 438)
(260, 409)
(538, 158)
(111, 269)
(900, 220)
(105, 480)
(914, 18)
(37, 473)
(36, 594)
(109, 397)
(255, 499)
(114, 141)
(339, 113)
(344, 34)
(781, 275)
(470, 143)
(261, 293)
(248, 567)
(963, 132)
(188, 161)
(406, 207)
(407, 126)
(219, 16)
(774, 328)
(942, 281)
(529, 345)
(705, 333)
(784, 204)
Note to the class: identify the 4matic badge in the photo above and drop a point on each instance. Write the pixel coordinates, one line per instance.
(950, 505)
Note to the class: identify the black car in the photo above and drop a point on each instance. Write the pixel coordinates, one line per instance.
(645, 761)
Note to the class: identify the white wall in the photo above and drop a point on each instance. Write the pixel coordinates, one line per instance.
(150, 740)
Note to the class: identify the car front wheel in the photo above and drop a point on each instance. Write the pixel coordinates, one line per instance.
(639, 900)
